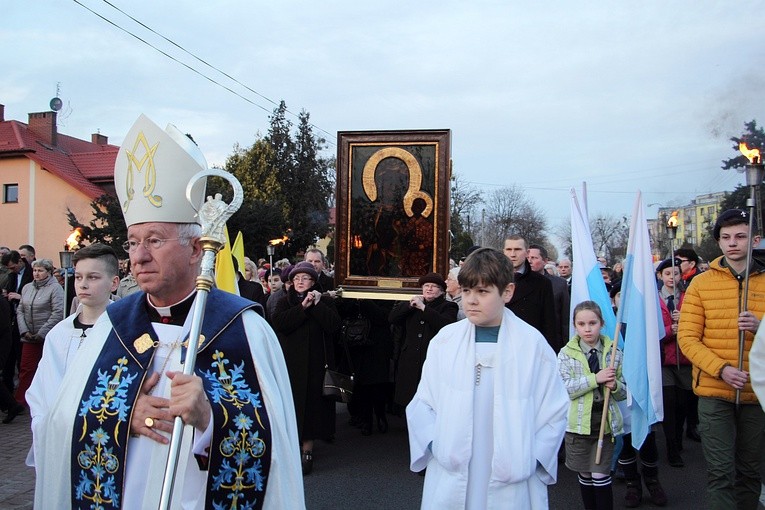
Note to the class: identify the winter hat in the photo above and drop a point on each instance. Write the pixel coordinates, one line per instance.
(729, 217)
(432, 278)
(664, 264)
(304, 267)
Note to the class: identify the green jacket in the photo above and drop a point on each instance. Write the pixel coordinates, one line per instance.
(580, 383)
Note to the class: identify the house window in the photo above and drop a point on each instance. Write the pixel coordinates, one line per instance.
(10, 193)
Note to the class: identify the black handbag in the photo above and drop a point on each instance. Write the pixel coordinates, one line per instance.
(337, 386)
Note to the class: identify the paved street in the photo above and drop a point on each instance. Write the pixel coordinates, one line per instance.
(357, 472)
(17, 481)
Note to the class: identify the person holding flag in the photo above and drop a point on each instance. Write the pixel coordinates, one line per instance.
(731, 421)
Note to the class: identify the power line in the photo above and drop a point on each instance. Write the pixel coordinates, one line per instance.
(192, 69)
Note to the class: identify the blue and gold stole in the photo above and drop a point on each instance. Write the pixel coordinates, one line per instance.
(240, 451)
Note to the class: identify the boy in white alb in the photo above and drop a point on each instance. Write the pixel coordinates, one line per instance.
(490, 410)
(96, 271)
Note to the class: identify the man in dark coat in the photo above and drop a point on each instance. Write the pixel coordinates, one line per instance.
(532, 299)
(20, 274)
(319, 262)
(537, 257)
(421, 318)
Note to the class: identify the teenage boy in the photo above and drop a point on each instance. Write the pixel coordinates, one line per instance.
(96, 276)
(490, 411)
(710, 324)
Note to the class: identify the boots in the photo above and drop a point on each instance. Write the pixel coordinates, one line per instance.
(634, 494)
(658, 497)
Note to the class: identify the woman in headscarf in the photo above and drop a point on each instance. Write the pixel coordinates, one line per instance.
(306, 323)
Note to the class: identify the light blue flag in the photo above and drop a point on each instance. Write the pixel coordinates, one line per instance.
(586, 280)
(641, 313)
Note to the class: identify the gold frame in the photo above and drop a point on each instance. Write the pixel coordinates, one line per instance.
(426, 157)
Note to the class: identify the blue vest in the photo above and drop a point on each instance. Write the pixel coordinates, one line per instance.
(240, 452)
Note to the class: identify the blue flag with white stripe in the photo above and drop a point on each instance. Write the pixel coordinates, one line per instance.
(641, 313)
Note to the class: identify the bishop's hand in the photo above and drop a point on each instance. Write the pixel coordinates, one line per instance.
(151, 414)
(188, 400)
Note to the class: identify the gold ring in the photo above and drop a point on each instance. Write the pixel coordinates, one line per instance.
(149, 422)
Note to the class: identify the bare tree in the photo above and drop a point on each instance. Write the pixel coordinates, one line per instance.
(609, 236)
(510, 212)
(465, 199)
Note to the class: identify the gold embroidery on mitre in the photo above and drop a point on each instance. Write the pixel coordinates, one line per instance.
(150, 176)
(143, 343)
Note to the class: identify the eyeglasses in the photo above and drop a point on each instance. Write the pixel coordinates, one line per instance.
(150, 243)
(683, 260)
(302, 279)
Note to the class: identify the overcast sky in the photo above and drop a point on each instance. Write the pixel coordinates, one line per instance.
(545, 95)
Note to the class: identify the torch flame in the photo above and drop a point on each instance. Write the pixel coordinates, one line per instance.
(672, 221)
(281, 240)
(73, 241)
(753, 155)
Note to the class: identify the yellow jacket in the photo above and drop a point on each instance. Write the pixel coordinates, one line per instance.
(708, 331)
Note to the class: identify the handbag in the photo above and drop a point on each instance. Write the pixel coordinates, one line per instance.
(337, 386)
(355, 331)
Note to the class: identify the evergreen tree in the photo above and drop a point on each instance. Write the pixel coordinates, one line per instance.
(107, 225)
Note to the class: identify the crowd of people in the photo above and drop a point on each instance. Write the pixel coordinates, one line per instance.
(482, 353)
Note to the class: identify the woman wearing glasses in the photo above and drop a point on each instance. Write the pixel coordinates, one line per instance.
(306, 323)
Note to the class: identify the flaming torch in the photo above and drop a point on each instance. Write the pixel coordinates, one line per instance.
(754, 176)
(271, 248)
(65, 258)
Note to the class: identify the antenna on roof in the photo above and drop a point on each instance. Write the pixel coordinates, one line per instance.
(56, 103)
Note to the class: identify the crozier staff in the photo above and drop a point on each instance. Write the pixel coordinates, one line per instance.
(105, 438)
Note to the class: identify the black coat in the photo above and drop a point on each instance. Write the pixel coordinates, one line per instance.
(307, 340)
(420, 326)
(562, 300)
(252, 291)
(533, 303)
(13, 279)
(371, 363)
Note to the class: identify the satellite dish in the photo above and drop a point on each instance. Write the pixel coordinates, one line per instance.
(56, 104)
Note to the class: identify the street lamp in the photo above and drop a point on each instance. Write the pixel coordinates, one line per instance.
(270, 249)
(65, 258)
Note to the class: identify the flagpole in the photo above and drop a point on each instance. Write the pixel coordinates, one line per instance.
(607, 394)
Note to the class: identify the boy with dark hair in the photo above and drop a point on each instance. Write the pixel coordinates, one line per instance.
(491, 378)
(710, 324)
(96, 276)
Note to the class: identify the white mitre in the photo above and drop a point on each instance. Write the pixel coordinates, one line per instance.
(152, 170)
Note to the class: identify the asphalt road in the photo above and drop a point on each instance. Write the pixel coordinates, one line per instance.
(372, 472)
(357, 473)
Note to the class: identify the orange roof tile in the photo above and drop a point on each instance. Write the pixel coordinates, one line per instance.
(78, 162)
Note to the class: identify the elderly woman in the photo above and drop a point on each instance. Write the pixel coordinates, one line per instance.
(454, 291)
(420, 319)
(41, 307)
(250, 270)
(306, 322)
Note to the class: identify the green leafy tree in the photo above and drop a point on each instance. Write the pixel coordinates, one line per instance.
(107, 225)
(307, 198)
